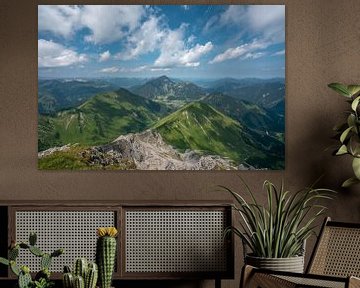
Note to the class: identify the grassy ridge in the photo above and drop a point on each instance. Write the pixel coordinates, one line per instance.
(101, 119)
(198, 126)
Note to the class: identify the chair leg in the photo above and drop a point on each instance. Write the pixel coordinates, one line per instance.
(246, 274)
(217, 283)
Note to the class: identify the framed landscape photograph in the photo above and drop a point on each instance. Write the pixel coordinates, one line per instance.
(161, 87)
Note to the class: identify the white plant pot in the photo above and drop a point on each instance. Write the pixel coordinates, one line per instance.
(291, 264)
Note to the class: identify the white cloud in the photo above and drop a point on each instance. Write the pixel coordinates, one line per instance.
(104, 56)
(144, 40)
(246, 50)
(109, 23)
(279, 53)
(61, 20)
(135, 69)
(110, 70)
(269, 20)
(173, 51)
(51, 54)
(255, 55)
(261, 21)
(160, 69)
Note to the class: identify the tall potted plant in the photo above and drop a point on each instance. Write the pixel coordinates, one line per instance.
(275, 233)
(349, 131)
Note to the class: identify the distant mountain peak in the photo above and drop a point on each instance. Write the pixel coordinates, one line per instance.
(165, 88)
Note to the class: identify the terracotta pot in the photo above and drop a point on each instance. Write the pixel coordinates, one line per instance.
(291, 264)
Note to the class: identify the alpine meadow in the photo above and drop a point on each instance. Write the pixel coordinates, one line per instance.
(161, 87)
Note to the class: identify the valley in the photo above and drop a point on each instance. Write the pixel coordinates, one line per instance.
(224, 124)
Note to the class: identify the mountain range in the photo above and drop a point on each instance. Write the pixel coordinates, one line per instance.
(189, 118)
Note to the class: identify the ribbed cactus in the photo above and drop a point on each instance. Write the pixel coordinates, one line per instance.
(80, 267)
(79, 282)
(106, 254)
(83, 272)
(91, 276)
(68, 280)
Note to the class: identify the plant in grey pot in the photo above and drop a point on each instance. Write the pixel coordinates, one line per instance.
(349, 131)
(276, 233)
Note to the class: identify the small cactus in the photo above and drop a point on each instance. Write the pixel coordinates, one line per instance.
(91, 276)
(32, 239)
(106, 254)
(45, 261)
(79, 282)
(80, 268)
(89, 272)
(24, 278)
(36, 251)
(68, 280)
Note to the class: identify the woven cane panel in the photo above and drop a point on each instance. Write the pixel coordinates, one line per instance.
(175, 241)
(338, 253)
(306, 282)
(74, 231)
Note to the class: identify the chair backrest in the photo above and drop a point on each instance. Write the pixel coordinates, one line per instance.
(337, 251)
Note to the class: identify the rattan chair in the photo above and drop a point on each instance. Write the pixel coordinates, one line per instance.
(334, 263)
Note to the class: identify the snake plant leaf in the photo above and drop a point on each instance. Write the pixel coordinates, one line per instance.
(342, 150)
(340, 88)
(356, 167)
(349, 182)
(353, 89)
(355, 103)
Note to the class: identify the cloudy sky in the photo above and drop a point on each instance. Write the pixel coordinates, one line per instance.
(187, 41)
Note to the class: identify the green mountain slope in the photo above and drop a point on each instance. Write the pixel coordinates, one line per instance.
(57, 94)
(250, 114)
(101, 119)
(198, 126)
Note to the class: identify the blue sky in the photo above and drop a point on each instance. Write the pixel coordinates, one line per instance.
(184, 41)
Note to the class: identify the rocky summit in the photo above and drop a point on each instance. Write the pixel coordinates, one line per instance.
(149, 152)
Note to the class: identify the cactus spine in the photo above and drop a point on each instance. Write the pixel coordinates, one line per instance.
(106, 254)
(84, 275)
(24, 278)
(68, 280)
(91, 276)
(79, 282)
(80, 267)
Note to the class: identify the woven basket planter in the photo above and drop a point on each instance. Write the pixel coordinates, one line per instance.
(291, 264)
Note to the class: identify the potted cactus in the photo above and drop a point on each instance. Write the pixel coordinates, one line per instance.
(42, 278)
(106, 254)
(84, 275)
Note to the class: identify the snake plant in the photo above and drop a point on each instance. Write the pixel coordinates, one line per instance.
(280, 228)
(349, 131)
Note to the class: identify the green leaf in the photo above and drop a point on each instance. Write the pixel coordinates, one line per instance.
(342, 150)
(345, 134)
(4, 261)
(340, 88)
(355, 103)
(349, 182)
(351, 120)
(356, 167)
(353, 89)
